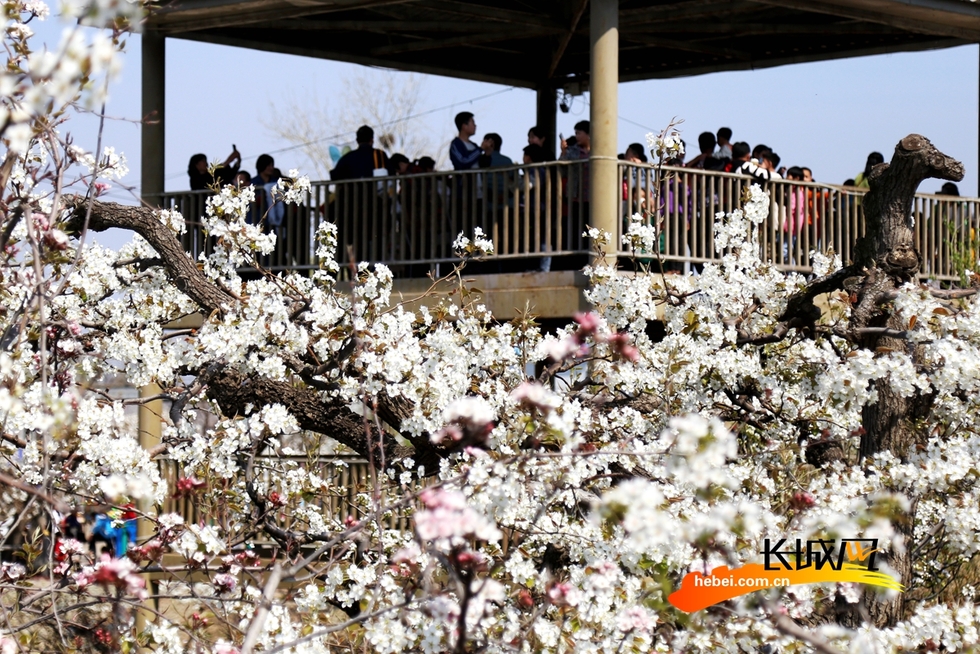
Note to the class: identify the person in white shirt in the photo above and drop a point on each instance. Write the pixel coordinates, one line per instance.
(724, 150)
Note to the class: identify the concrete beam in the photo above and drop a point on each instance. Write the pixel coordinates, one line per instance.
(189, 20)
(913, 18)
(241, 41)
(558, 294)
(688, 45)
(756, 64)
(458, 41)
(752, 29)
(566, 38)
(555, 294)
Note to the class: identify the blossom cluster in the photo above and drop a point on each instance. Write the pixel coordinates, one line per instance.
(429, 477)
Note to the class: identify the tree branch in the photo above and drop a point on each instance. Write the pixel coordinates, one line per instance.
(57, 504)
(181, 269)
(786, 625)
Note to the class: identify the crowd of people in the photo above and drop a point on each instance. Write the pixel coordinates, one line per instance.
(485, 195)
(716, 152)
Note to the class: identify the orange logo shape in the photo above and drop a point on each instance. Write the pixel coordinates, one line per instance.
(856, 551)
(699, 591)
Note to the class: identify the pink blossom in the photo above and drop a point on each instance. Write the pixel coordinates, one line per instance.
(149, 551)
(564, 594)
(802, 500)
(435, 498)
(635, 618)
(41, 221)
(561, 350)
(588, 324)
(408, 555)
(469, 422)
(470, 560)
(70, 546)
(12, 570)
(187, 486)
(533, 395)
(447, 517)
(620, 344)
(450, 433)
(117, 573)
(55, 239)
(224, 583)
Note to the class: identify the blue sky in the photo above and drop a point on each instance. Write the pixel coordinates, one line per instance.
(827, 116)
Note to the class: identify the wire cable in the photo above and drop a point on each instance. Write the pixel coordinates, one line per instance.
(382, 126)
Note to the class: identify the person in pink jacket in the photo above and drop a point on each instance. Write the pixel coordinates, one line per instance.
(794, 221)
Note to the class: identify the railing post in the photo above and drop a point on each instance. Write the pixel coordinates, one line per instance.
(606, 188)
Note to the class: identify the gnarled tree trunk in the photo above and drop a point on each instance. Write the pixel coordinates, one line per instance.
(889, 258)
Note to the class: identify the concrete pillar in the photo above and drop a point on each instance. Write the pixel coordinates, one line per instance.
(152, 130)
(603, 89)
(150, 432)
(151, 184)
(150, 429)
(546, 115)
(152, 175)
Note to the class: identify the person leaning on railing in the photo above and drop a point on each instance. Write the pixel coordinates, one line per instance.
(496, 184)
(635, 182)
(201, 178)
(819, 203)
(794, 214)
(861, 180)
(538, 136)
(537, 202)
(577, 191)
(465, 155)
(362, 162)
(273, 215)
(346, 205)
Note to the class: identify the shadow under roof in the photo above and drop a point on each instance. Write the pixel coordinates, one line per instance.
(542, 44)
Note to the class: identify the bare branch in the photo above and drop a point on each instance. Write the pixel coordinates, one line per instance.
(262, 612)
(786, 625)
(57, 504)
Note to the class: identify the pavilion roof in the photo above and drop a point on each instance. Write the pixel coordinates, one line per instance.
(537, 43)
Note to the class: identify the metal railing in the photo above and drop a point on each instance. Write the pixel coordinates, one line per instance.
(536, 214)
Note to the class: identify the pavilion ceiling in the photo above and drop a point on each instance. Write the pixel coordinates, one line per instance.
(547, 43)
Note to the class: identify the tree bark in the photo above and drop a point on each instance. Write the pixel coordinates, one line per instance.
(889, 253)
(889, 256)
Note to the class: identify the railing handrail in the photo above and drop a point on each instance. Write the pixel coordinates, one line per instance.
(856, 190)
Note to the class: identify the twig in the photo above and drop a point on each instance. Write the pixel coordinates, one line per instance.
(59, 505)
(787, 626)
(262, 612)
